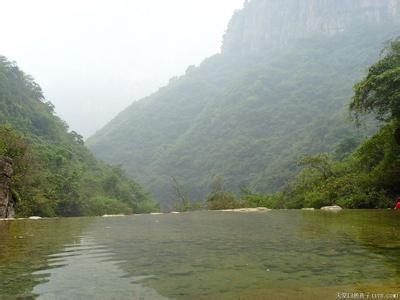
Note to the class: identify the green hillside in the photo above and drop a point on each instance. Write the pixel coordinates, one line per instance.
(246, 118)
(370, 176)
(54, 173)
(246, 115)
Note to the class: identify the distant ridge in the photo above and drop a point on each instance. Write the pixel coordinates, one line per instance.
(278, 91)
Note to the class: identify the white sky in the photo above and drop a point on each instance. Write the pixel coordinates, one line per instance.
(94, 57)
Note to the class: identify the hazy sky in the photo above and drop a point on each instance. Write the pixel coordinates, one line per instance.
(94, 57)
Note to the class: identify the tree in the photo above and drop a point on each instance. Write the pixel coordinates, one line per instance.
(379, 91)
(182, 201)
(54, 174)
(321, 163)
(219, 198)
(77, 138)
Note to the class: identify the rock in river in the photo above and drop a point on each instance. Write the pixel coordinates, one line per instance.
(332, 208)
(257, 209)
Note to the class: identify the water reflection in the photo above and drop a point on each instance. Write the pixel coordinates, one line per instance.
(216, 255)
(87, 270)
(203, 255)
(24, 247)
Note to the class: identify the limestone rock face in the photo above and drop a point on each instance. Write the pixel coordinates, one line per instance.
(262, 24)
(6, 201)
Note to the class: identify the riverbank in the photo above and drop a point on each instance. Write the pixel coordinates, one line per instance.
(333, 209)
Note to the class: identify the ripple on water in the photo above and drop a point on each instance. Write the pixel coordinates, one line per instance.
(201, 255)
(91, 272)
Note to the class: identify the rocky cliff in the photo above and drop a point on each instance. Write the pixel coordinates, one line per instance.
(6, 201)
(263, 24)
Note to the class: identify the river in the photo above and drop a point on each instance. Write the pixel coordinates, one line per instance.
(281, 254)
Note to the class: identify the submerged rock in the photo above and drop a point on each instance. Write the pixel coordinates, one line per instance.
(6, 201)
(332, 208)
(308, 208)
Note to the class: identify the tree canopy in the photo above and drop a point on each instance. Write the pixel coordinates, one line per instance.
(54, 173)
(379, 91)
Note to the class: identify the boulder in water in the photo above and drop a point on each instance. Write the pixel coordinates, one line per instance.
(332, 208)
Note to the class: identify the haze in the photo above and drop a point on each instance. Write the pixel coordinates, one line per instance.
(94, 57)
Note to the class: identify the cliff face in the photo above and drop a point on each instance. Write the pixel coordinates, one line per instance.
(268, 23)
(6, 201)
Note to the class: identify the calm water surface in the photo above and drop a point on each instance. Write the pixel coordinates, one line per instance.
(202, 255)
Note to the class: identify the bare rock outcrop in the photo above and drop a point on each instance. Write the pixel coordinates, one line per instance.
(263, 24)
(6, 200)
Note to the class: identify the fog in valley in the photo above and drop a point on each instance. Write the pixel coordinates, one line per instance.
(188, 149)
(94, 57)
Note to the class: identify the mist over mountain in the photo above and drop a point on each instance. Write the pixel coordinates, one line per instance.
(263, 24)
(279, 90)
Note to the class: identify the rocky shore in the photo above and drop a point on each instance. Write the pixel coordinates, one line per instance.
(6, 200)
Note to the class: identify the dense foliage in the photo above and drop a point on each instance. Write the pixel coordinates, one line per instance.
(370, 176)
(54, 173)
(247, 118)
(379, 92)
(219, 198)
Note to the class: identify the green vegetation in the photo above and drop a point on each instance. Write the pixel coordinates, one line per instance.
(274, 123)
(356, 174)
(219, 198)
(370, 176)
(379, 92)
(55, 174)
(249, 118)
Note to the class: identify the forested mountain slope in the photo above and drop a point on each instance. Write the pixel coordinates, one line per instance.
(250, 113)
(54, 173)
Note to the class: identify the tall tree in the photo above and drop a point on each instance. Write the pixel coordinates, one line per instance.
(379, 91)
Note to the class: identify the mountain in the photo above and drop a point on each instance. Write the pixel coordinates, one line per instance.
(278, 90)
(53, 173)
(269, 23)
